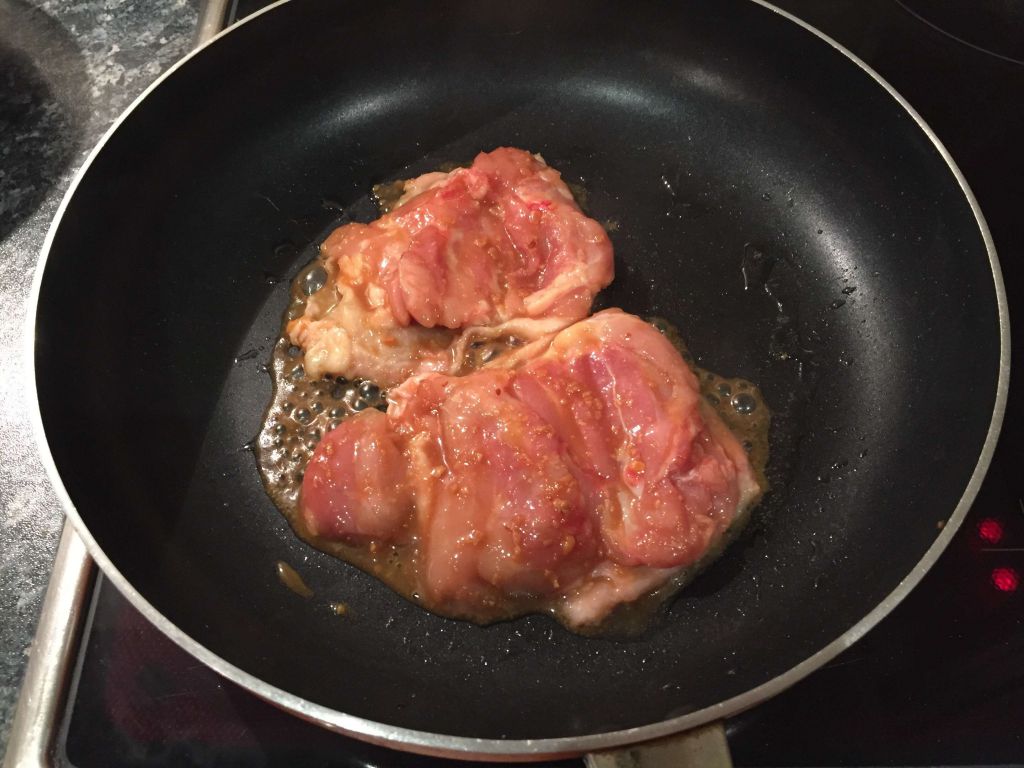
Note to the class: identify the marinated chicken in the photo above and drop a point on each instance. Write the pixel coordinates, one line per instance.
(574, 474)
(498, 248)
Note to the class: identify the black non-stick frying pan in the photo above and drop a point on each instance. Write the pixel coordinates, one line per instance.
(765, 191)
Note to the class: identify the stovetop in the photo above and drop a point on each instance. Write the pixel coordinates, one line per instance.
(939, 681)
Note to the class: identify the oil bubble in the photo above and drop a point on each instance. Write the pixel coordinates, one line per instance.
(744, 403)
(314, 280)
(369, 390)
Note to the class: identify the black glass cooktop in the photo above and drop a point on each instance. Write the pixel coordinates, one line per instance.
(938, 682)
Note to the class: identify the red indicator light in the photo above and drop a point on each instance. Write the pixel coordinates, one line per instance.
(990, 530)
(1005, 579)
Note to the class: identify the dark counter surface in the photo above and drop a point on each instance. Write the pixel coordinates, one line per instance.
(67, 70)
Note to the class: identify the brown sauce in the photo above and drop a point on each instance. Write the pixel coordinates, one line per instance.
(303, 410)
(388, 194)
(291, 579)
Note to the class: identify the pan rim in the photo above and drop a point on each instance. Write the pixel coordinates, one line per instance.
(462, 747)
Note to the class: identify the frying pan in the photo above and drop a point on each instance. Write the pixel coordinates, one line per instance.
(765, 192)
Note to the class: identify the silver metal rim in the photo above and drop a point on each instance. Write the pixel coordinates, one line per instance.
(465, 747)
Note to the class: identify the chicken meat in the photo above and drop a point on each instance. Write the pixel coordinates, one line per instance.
(498, 248)
(577, 473)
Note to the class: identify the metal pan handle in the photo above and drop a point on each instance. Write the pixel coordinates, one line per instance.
(213, 16)
(52, 655)
(704, 747)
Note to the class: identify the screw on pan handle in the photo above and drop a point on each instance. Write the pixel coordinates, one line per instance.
(704, 747)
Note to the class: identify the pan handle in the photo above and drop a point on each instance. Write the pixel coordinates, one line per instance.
(704, 747)
(213, 15)
(53, 653)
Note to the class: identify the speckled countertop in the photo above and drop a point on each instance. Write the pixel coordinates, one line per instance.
(67, 69)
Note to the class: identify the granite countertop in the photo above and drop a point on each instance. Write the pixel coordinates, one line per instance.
(67, 69)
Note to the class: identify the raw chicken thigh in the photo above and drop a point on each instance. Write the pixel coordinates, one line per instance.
(499, 248)
(577, 473)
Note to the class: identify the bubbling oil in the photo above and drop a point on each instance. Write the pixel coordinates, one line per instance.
(302, 410)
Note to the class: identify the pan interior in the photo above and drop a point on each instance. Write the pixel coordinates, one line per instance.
(762, 192)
